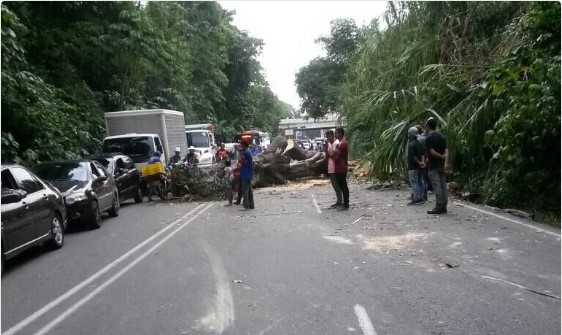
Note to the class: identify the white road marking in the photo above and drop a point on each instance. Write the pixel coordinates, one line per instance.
(221, 314)
(364, 321)
(100, 288)
(523, 287)
(338, 239)
(508, 219)
(25, 322)
(318, 210)
(270, 327)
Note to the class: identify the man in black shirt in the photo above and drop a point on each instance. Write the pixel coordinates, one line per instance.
(415, 166)
(437, 151)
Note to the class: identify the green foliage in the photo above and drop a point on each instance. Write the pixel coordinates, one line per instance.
(66, 63)
(489, 71)
(320, 83)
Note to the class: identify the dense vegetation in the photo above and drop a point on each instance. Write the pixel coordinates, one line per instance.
(66, 63)
(489, 71)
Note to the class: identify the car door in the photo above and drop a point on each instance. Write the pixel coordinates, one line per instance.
(102, 189)
(35, 205)
(16, 225)
(133, 173)
(120, 176)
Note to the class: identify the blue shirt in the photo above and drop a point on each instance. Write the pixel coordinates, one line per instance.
(247, 169)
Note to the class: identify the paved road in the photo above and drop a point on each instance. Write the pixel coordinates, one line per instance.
(291, 267)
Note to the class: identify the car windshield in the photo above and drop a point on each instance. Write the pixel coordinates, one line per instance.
(197, 139)
(62, 171)
(138, 148)
(107, 163)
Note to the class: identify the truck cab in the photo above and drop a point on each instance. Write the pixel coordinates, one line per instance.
(203, 140)
(137, 146)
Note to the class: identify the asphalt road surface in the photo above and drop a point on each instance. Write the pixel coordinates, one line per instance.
(292, 266)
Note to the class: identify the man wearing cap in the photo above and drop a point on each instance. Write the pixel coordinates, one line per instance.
(176, 158)
(415, 166)
(191, 157)
(437, 152)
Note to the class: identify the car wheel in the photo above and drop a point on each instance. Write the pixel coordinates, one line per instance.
(57, 233)
(114, 210)
(95, 221)
(138, 196)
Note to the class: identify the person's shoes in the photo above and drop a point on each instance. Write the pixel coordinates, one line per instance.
(437, 211)
(251, 207)
(336, 205)
(237, 203)
(416, 202)
(244, 209)
(343, 208)
(226, 205)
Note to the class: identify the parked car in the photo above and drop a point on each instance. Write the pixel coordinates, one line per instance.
(88, 189)
(33, 212)
(125, 173)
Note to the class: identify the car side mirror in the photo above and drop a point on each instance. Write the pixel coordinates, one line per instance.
(13, 196)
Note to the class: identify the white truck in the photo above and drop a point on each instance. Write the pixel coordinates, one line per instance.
(139, 133)
(202, 138)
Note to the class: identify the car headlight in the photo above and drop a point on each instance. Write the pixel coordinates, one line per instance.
(76, 197)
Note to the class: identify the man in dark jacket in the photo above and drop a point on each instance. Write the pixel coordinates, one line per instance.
(437, 153)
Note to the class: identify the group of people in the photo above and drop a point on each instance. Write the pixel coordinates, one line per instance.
(427, 163)
(189, 159)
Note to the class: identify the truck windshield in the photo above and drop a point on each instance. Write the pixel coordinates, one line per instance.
(197, 139)
(138, 148)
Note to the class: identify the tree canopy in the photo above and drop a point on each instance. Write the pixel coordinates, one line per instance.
(489, 71)
(66, 63)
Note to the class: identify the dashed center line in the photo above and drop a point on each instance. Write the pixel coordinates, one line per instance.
(318, 210)
(364, 321)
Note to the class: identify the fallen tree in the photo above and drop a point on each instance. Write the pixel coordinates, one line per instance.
(282, 161)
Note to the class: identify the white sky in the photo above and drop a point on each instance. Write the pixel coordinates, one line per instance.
(289, 28)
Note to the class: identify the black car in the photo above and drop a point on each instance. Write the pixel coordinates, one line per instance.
(125, 173)
(88, 189)
(33, 212)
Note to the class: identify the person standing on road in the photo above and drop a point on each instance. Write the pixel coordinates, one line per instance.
(339, 155)
(437, 152)
(415, 166)
(246, 175)
(330, 147)
(228, 180)
(221, 153)
(426, 182)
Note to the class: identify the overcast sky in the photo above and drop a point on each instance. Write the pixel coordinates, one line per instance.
(289, 28)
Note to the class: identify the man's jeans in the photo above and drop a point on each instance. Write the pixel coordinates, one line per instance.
(416, 181)
(337, 189)
(439, 183)
(248, 195)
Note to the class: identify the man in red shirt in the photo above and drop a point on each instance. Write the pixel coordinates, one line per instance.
(340, 157)
(221, 153)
